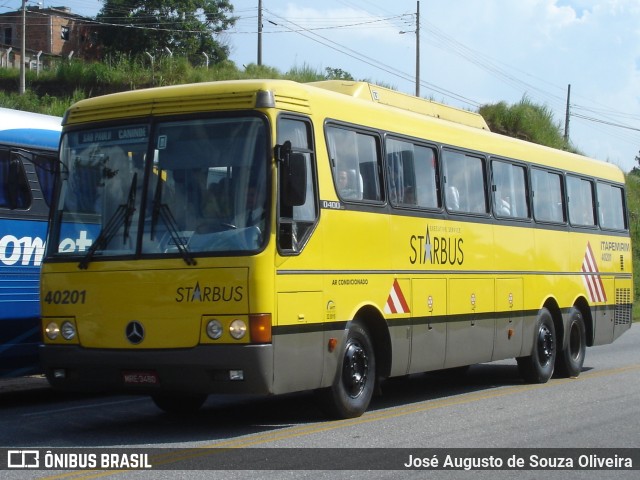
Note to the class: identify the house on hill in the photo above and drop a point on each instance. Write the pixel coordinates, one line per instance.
(52, 32)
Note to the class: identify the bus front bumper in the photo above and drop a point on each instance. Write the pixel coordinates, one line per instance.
(215, 369)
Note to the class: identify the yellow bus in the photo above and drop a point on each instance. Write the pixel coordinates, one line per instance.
(266, 236)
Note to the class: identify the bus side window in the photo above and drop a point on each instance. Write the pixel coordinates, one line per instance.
(46, 172)
(426, 173)
(509, 190)
(548, 203)
(342, 144)
(369, 161)
(401, 171)
(412, 175)
(611, 207)
(370, 184)
(465, 180)
(4, 179)
(581, 201)
(15, 193)
(356, 163)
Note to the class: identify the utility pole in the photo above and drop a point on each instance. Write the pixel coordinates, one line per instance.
(259, 32)
(566, 118)
(23, 47)
(418, 49)
(417, 32)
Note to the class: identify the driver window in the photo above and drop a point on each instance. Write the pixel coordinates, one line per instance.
(296, 222)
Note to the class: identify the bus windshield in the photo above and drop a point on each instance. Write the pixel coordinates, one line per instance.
(201, 183)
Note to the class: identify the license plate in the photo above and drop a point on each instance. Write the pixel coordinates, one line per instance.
(140, 378)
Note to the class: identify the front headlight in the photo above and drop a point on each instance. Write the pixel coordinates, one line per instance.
(52, 330)
(214, 329)
(68, 330)
(238, 329)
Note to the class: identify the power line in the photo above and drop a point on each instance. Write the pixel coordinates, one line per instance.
(434, 36)
(604, 122)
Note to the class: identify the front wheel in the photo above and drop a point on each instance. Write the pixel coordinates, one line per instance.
(353, 386)
(570, 359)
(538, 367)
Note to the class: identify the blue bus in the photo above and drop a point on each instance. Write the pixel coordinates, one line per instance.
(28, 162)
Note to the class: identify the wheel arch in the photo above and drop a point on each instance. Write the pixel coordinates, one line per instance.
(556, 314)
(372, 319)
(583, 307)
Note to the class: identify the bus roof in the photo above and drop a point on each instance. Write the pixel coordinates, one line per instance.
(29, 130)
(392, 98)
(205, 95)
(18, 119)
(30, 138)
(448, 125)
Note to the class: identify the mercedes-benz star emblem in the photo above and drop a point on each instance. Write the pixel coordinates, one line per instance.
(134, 332)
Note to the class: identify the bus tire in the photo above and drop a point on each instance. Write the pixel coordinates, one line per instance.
(178, 403)
(538, 367)
(353, 386)
(570, 359)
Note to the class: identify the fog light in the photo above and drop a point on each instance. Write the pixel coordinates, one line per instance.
(238, 329)
(214, 329)
(68, 330)
(52, 331)
(236, 374)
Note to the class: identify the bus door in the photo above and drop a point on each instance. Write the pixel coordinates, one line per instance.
(470, 324)
(299, 342)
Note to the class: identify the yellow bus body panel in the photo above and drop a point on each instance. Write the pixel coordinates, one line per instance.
(169, 302)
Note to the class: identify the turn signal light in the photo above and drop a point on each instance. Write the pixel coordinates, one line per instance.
(260, 328)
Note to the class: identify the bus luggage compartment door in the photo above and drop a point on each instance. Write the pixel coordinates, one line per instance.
(471, 321)
(298, 342)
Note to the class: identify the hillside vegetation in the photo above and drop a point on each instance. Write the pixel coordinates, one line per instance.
(69, 81)
(633, 204)
(53, 91)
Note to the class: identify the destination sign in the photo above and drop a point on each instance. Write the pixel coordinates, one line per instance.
(115, 135)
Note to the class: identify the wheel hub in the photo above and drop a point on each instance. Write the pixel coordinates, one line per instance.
(355, 370)
(545, 345)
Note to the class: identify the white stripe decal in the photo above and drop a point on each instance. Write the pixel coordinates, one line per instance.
(592, 280)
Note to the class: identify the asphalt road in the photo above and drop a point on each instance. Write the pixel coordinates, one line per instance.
(488, 408)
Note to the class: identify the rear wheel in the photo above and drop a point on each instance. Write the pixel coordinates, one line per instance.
(570, 359)
(179, 404)
(353, 386)
(538, 367)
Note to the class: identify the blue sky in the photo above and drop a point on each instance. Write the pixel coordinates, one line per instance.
(472, 52)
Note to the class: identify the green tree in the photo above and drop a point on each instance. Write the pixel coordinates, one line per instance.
(337, 74)
(185, 27)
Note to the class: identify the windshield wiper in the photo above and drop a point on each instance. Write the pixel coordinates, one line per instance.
(122, 216)
(161, 210)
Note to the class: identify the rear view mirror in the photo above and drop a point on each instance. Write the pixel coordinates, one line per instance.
(294, 180)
